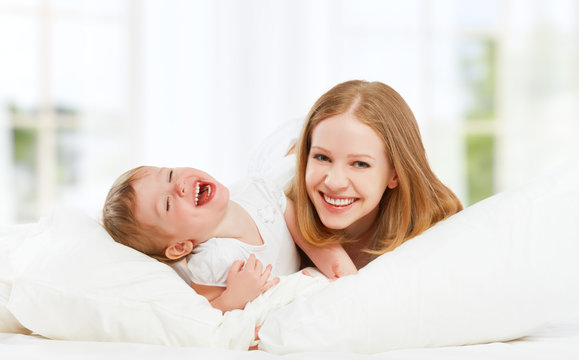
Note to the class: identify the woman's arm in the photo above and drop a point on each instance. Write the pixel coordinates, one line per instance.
(332, 260)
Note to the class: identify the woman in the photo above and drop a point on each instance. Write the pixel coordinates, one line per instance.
(363, 180)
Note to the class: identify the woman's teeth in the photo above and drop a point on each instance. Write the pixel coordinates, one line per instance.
(339, 202)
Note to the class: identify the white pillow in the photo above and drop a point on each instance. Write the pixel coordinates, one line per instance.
(73, 282)
(493, 272)
(10, 237)
(266, 156)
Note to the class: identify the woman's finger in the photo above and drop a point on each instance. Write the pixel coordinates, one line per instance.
(336, 270)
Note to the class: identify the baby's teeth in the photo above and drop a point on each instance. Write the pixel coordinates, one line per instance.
(197, 194)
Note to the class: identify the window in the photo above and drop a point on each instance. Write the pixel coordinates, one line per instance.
(64, 93)
(478, 72)
(478, 46)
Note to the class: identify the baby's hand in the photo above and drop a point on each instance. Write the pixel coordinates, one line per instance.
(245, 283)
(255, 337)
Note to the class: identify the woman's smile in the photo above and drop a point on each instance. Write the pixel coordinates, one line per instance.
(337, 204)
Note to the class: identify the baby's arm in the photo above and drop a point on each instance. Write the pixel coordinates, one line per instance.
(332, 260)
(244, 283)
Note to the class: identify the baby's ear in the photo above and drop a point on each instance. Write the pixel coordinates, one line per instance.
(179, 249)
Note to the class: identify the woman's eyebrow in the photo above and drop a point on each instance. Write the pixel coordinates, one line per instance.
(319, 148)
(361, 156)
(355, 155)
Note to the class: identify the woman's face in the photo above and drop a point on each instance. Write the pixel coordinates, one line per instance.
(347, 173)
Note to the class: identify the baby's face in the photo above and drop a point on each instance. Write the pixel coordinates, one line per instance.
(183, 203)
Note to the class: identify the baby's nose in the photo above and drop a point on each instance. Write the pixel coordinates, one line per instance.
(180, 187)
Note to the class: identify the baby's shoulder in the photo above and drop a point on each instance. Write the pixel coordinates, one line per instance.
(210, 262)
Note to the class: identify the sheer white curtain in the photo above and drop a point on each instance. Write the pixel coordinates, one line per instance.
(7, 203)
(539, 88)
(201, 83)
(221, 75)
(218, 76)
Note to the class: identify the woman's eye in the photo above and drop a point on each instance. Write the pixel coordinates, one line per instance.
(321, 157)
(361, 164)
(170, 175)
(168, 205)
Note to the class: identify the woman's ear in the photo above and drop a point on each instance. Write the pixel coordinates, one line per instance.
(179, 249)
(393, 182)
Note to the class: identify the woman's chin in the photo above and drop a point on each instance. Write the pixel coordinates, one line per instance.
(335, 224)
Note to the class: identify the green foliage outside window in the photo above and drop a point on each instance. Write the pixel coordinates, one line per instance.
(25, 147)
(478, 67)
(480, 153)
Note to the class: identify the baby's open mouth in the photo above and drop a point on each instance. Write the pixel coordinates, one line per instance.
(203, 193)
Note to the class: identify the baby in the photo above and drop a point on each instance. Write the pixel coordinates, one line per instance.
(184, 214)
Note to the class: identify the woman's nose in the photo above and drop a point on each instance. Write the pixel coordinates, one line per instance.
(336, 179)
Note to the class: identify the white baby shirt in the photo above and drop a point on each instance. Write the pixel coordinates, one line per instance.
(265, 202)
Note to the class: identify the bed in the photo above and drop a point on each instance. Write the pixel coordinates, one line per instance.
(498, 280)
(557, 341)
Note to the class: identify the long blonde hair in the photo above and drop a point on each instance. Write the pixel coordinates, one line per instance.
(418, 202)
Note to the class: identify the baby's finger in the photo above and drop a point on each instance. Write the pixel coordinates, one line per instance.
(258, 267)
(236, 266)
(250, 262)
(268, 285)
(266, 272)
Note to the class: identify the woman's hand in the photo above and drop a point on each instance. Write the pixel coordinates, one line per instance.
(339, 271)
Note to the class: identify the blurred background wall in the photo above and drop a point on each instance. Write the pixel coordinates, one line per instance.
(91, 88)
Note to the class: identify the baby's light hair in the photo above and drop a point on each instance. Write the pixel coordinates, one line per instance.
(119, 219)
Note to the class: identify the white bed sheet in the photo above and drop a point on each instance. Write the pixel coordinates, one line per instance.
(558, 340)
